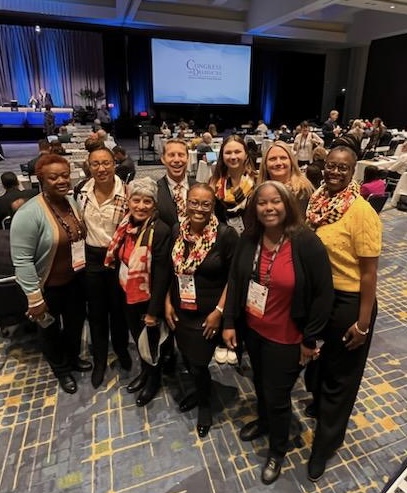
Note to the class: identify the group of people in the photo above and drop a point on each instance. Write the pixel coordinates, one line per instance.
(260, 260)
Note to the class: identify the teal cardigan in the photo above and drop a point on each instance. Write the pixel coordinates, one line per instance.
(34, 238)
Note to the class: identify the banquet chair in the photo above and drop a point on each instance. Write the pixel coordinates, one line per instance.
(377, 201)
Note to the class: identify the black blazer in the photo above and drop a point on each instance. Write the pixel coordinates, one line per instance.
(160, 268)
(167, 208)
(313, 291)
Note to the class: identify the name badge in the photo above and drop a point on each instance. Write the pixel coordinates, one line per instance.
(187, 291)
(256, 299)
(236, 223)
(78, 255)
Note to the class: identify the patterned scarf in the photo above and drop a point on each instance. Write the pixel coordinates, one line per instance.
(234, 198)
(186, 262)
(136, 282)
(323, 209)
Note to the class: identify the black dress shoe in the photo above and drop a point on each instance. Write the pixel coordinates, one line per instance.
(271, 471)
(149, 391)
(82, 365)
(202, 430)
(169, 364)
(311, 411)
(252, 430)
(316, 468)
(68, 384)
(188, 403)
(98, 374)
(138, 383)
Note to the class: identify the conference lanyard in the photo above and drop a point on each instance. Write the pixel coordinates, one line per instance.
(270, 265)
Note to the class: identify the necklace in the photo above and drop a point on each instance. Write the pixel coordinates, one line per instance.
(65, 225)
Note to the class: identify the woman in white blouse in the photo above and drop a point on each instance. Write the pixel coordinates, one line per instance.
(304, 144)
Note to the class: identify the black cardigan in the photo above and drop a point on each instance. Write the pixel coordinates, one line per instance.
(313, 290)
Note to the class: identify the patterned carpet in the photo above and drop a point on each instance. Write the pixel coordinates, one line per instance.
(100, 442)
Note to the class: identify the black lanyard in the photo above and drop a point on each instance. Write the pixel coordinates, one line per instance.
(269, 267)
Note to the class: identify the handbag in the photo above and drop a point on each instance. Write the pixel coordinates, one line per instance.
(150, 341)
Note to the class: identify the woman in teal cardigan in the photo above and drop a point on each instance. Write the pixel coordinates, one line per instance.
(47, 249)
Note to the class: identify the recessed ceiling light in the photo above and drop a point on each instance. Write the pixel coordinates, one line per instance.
(392, 6)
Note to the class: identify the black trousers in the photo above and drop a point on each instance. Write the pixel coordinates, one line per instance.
(337, 375)
(275, 370)
(105, 309)
(61, 343)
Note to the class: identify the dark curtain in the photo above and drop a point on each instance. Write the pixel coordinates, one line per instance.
(265, 70)
(139, 63)
(384, 93)
(61, 61)
(116, 80)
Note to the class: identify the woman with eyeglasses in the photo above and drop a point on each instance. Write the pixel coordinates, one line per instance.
(278, 302)
(201, 256)
(47, 248)
(351, 231)
(103, 203)
(279, 164)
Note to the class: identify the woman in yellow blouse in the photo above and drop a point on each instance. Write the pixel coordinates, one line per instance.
(351, 232)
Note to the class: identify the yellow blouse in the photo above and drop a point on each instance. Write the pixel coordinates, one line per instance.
(357, 234)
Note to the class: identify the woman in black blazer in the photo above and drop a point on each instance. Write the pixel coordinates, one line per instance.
(279, 297)
(201, 256)
(140, 251)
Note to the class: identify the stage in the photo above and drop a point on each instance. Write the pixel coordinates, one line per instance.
(25, 116)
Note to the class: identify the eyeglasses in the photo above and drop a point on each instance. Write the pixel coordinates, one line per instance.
(195, 204)
(97, 164)
(341, 167)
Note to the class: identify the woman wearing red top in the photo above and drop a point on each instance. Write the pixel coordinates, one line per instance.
(279, 299)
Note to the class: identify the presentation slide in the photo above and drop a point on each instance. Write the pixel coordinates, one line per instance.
(200, 73)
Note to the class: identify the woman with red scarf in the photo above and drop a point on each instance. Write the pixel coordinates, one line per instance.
(140, 251)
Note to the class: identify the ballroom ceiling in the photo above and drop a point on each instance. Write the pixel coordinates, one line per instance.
(337, 22)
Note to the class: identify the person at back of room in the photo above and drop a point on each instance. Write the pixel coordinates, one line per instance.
(103, 203)
(372, 183)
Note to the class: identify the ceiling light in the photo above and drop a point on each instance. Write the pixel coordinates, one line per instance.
(392, 6)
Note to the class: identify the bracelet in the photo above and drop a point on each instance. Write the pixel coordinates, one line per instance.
(361, 332)
(219, 308)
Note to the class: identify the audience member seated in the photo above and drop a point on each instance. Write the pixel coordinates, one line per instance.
(204, 146)
(378, 131)
(96, 125)
(124, 163)
(372, 184)
(9, 201)
(44, 147)
(56, 148)
(284, 134)
(92, 143)
(262, 128)
(64, 137)
(165, 130)
(319, 156)
(212, 130)
(358, 129)
(107, 139)
(400, 166)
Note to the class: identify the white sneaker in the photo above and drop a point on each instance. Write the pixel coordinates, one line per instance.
(231, 357)
(221, 355)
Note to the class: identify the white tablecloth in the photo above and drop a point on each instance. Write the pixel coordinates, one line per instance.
(361, 165)
(401, 189)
